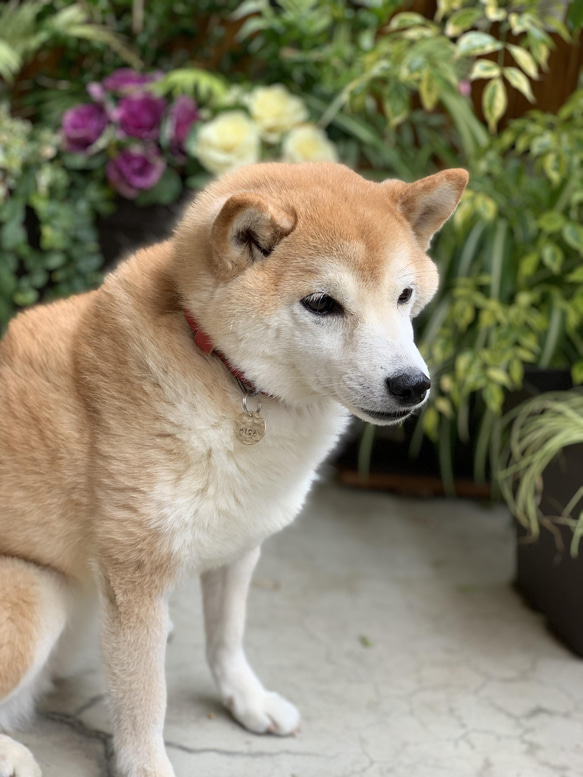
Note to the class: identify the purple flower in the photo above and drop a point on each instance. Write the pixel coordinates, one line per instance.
(83, 125)
(181, 117)
(96, 91)
(126, 80)
(139, 115)
(465, 87)
(135, 169)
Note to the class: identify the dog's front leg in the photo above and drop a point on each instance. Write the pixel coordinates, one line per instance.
(224, 596)
(134, 631)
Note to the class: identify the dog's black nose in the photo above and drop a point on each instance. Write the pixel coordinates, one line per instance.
(409, 388)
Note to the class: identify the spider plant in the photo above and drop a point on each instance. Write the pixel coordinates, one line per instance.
(538, 431)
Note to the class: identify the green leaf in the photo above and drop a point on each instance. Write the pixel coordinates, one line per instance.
(7, 282)
(516, 372)
(499, 376)
(431, 423)
(573, 236)
(541, 144)
(556, 25)
(12, 235)
(540, 51)
(248, 7)
(552, 256)
(554, 166)
(528, 266)
(493, 12)
(445, 7)
(10, 61)
(396, 104)
(461, 21)
(429, 90)
(551, 221)
(402, 21)
(519, 81)
(493, 396)
(198, 182)
(524, 60)
(25, 296)
(476, 43)
(202, 84)
(577, 372)
(577, 275)
(54, 259)
(494, 102)
(166, 191)
(484, 68)
(443, 405)
(519, 22)
(575, 14)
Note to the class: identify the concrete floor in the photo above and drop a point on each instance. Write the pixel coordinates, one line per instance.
(392, 625)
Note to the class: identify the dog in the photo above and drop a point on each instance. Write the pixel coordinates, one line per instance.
(173, 419)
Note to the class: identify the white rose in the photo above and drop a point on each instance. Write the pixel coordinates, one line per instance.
(308, 143)
(276, 111)
(226, 142)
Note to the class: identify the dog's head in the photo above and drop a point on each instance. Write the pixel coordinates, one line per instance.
(307, 278)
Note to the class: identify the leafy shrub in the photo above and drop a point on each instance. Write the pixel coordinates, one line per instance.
(29, 27)
(512, 282)
(48, 241)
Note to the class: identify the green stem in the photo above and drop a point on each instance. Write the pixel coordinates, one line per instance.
(365, 451)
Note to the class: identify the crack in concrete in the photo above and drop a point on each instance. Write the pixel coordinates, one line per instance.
(245, 754)
(88, 704)
(88, 733)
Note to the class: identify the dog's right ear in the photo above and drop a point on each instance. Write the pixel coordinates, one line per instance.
(247, 230)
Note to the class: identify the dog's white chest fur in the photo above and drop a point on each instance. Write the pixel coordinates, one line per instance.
(230, 497)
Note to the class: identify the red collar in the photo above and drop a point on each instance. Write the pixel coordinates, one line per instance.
(204, 342)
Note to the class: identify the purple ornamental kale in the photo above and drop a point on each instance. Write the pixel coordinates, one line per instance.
(82, 126)
(139, 115)
(135, 169)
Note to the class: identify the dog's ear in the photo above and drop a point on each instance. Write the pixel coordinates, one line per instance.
(427, 204)
(247, 230)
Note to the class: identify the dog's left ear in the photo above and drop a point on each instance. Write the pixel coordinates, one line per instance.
(247, 230)
(427, 204)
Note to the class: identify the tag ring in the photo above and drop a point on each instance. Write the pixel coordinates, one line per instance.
(246, 409)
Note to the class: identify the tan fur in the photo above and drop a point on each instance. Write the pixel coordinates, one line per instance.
(91, 430)
(19, 617)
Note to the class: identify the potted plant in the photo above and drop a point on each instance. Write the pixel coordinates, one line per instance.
(540, 476)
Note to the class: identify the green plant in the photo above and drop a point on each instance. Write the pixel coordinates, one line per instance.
(364, 69)
(48, 241)
(512, 282)
(165, 36)
(538, 431)
(28, 27)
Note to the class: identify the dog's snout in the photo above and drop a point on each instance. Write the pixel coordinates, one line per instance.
(409, 388)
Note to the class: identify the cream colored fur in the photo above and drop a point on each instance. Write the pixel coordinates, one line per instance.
(119, 466)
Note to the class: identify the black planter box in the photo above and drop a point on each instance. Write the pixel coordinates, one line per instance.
(393, 469)
(547, 576)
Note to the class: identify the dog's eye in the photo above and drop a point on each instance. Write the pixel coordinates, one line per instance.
(322, 305)
(405, 296)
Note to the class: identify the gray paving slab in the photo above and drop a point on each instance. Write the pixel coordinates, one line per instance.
(392, 625)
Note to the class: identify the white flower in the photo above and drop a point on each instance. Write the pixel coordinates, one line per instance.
(276, 111)
(308, 143)
(226, 142)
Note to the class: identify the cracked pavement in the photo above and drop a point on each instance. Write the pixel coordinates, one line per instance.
(392, 625)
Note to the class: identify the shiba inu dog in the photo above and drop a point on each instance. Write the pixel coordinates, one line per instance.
(173, 419)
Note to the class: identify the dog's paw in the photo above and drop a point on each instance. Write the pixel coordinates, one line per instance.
(16, 760)
(265, 713)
